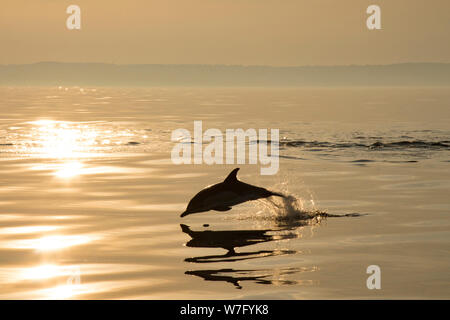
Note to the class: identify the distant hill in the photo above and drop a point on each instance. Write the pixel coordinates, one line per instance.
(100, 74)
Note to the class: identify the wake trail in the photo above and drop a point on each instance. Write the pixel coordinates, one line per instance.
(290, 208)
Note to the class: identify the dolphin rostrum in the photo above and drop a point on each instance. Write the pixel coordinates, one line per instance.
(222, 196)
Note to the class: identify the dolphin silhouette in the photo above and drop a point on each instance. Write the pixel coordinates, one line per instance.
(222, 196)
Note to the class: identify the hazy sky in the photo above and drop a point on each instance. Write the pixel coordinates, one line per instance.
(249, 32)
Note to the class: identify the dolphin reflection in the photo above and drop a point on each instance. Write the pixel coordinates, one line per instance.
(236, 276)
(229, 240)
(232, 239)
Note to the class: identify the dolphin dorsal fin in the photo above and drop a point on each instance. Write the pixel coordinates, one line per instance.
(232, 176)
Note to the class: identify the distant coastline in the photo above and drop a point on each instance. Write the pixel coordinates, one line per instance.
(102, 74)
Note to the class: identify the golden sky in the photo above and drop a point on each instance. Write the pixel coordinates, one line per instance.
(249, 32)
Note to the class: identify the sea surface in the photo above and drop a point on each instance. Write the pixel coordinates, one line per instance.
(90, 199)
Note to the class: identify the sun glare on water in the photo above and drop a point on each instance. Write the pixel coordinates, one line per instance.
(41, 272)
(50, 243)
(67, 288)
(69, 169)
(62, 140)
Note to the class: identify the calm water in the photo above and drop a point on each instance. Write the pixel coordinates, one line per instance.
(90, 200)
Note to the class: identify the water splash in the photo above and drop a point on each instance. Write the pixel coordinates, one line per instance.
(292, 210)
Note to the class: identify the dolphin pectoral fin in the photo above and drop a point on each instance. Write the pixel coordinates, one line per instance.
(222, 208)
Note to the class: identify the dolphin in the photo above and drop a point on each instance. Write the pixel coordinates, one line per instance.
(222, 196)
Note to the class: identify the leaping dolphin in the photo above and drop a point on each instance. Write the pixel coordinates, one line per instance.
(222, 196)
